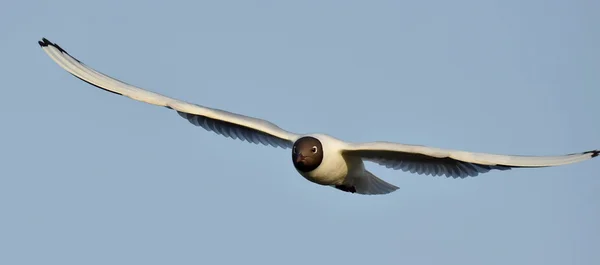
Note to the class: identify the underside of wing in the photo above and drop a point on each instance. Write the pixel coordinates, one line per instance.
(222, 122)
(452, 163)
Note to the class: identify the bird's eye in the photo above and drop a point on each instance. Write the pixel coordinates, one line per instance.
(294, 150)
(314, 149)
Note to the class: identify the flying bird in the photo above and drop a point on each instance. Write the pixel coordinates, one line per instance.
(320, 158)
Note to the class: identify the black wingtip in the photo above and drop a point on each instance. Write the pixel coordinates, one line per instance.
(44, 42)
(594, 153)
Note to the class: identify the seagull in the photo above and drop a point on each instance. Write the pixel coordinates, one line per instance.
(320, 158)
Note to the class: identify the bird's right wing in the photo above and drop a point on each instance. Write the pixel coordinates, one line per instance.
(452, 163)
(222, 122)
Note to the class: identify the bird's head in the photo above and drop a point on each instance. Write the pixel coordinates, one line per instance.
(307, 154)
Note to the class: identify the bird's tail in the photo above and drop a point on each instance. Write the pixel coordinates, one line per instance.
(372, 185)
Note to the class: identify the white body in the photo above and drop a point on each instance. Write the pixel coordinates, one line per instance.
(342, 169)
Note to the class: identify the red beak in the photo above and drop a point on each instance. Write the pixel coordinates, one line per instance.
(300, 158)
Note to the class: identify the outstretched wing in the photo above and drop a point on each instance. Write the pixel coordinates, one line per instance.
(222, 122)
(452, 163)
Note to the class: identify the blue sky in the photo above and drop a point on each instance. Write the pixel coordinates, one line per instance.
(92, 178)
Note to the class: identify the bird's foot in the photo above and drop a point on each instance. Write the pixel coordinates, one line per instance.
(351, 189)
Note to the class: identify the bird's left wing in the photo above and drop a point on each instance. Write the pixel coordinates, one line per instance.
(451, 163)
(222, 122)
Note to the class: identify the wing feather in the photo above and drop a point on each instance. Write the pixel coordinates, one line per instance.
(452, 163)
(221, 122)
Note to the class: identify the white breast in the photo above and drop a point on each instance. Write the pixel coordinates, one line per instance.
(334, 168)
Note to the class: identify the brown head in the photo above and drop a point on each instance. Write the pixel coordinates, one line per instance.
(307, 154)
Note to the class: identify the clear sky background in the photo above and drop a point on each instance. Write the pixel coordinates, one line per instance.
(88, 177)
